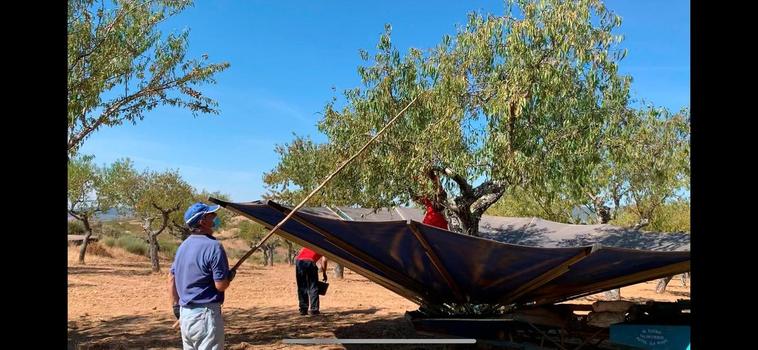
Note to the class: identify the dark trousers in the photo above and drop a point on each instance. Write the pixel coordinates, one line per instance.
(306, 274)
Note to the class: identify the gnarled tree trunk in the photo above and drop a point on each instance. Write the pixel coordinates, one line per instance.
(469, 223)
(662, 284)
(154, 247)
(87, 235)
(271, 249)
(265, 256)
(470, 205)
(339, 271)
(613, 294)
(152, 236)
(290, 253)
(602, 211)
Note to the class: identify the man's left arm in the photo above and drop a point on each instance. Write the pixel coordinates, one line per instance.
(173, 295)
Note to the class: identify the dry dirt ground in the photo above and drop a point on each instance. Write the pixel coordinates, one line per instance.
(117, 303)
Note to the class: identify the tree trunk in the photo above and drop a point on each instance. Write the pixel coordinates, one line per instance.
(662, 283)
(87, 235)
(613, 294)
(290, 253)
(265, 256)
(339, 271)
(153, 249)
(616, 204)
(469, 222)
(685, 279)
(472, 202)
(640, 224)
(603, 214)
(271, 255)
(453, 223)
(152, 242)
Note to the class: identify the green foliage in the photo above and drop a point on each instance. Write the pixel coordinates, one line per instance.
(109, 242)
(153, 197)
(75, 227)
(149, 194)
(658, 161)
(517, 202)
(505, 102)
(121, 66)
(249, 230)
(670, 217)
(644, 167)
(132, 244)
(169, 245)
(88, 191)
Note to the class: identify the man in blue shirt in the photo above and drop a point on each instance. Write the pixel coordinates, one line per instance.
(199, 276)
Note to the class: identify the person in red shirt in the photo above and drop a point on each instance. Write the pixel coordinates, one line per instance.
(434, 216)
(306, 274)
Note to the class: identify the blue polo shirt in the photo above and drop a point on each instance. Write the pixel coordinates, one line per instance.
(199, 261)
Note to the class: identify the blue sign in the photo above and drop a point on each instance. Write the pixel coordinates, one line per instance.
(655, 337)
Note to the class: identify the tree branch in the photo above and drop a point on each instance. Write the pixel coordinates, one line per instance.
(104, 37)
(544, 206)
(76, 215)
(487, 194)
(113, 110)
(642, 223)
(464, 186)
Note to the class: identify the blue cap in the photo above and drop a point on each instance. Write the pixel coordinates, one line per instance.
(196, 211)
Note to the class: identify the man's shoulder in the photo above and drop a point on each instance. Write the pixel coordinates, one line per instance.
(202, 241)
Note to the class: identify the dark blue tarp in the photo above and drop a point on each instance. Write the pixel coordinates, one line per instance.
(470, 269)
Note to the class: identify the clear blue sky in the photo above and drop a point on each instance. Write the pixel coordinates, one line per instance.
(286, 56)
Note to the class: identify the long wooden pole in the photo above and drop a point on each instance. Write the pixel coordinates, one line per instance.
(328, 178)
